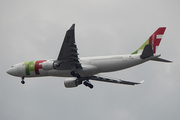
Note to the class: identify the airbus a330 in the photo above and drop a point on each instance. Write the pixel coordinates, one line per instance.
(81, 70)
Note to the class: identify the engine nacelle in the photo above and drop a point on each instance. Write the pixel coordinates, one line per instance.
(71, 82)
(50, 65)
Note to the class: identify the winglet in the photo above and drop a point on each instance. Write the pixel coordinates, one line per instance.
(72, 27)
(142, 81)
(139, 82)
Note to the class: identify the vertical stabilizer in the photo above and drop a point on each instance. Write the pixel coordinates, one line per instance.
(154, 40)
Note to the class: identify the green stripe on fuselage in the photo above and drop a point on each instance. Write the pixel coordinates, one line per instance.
(29, 66)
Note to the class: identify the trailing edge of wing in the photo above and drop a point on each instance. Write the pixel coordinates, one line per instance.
(118, 81)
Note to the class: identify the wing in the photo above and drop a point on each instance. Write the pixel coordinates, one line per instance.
(118, 81)
(68, 56)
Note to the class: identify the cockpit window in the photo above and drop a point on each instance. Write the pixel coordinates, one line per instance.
(12, 66)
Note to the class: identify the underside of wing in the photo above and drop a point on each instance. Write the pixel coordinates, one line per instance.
(68, 56)
(118, 81)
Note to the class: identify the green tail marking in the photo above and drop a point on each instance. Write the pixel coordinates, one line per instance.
(142, 47)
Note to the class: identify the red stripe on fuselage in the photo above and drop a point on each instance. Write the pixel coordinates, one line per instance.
(38, 66)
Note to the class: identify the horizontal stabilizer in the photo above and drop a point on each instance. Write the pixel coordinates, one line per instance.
(147, 52)
(160, 60)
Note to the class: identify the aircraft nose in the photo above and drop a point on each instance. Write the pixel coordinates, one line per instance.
(9, 71)
(12, 72)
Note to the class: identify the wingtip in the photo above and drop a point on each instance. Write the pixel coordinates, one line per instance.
(142, 81)
(72, 27)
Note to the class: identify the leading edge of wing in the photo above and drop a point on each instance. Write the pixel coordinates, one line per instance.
(118, 81)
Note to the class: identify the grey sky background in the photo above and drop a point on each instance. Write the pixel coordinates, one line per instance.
(35, 29)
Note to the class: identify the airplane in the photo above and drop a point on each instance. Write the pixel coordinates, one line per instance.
(81, 70)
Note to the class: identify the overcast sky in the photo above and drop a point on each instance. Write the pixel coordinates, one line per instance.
(35, 29)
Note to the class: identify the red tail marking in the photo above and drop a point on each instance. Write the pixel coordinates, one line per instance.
(153, 40)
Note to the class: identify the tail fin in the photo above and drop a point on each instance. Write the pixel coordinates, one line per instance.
(154, 40)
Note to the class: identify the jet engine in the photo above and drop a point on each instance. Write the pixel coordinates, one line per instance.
(50, 65)
(71, 82)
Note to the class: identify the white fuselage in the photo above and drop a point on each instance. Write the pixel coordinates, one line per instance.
(90, 65)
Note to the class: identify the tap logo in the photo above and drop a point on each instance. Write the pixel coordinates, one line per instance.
(33, 66)
(154, 40)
